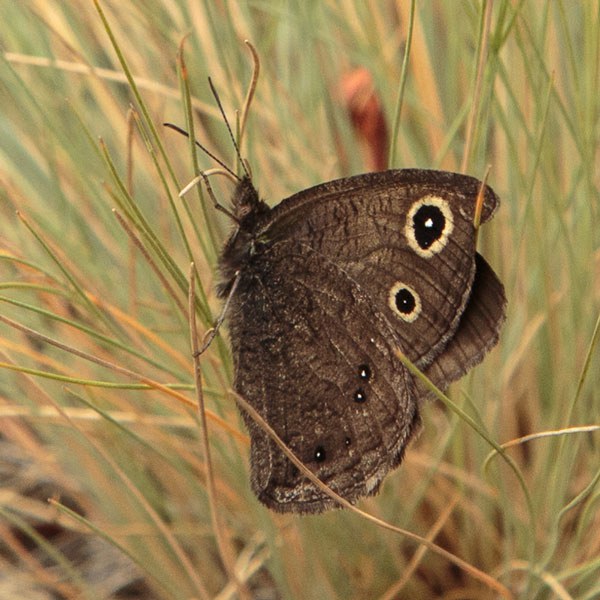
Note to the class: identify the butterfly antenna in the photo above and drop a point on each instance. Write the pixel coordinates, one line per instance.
(203, 176)
(204, 149)
(235, 144)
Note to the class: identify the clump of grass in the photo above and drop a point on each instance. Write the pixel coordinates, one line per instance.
(97, 381)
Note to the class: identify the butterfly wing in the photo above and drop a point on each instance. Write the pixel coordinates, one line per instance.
(316, 360)
(478, 330)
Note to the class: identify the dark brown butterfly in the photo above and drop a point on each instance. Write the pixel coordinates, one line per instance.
(329, 284)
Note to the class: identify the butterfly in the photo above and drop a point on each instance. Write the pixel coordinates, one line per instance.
(322, 292)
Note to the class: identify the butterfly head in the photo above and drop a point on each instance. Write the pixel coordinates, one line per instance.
(247, 206)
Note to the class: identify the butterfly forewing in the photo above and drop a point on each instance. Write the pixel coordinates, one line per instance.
(364, 224)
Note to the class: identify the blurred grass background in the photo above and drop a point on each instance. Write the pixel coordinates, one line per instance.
(510, 84)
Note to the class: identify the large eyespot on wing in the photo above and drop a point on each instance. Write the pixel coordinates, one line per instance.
(405, 301)
(429, 224)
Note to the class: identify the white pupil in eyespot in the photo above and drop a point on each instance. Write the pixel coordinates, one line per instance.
(428, 223)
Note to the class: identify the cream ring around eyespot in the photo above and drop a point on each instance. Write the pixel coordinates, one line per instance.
(408, 317)
(409, 228)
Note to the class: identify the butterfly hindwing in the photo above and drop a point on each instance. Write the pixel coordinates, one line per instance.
(478, 330)
(321, 370)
